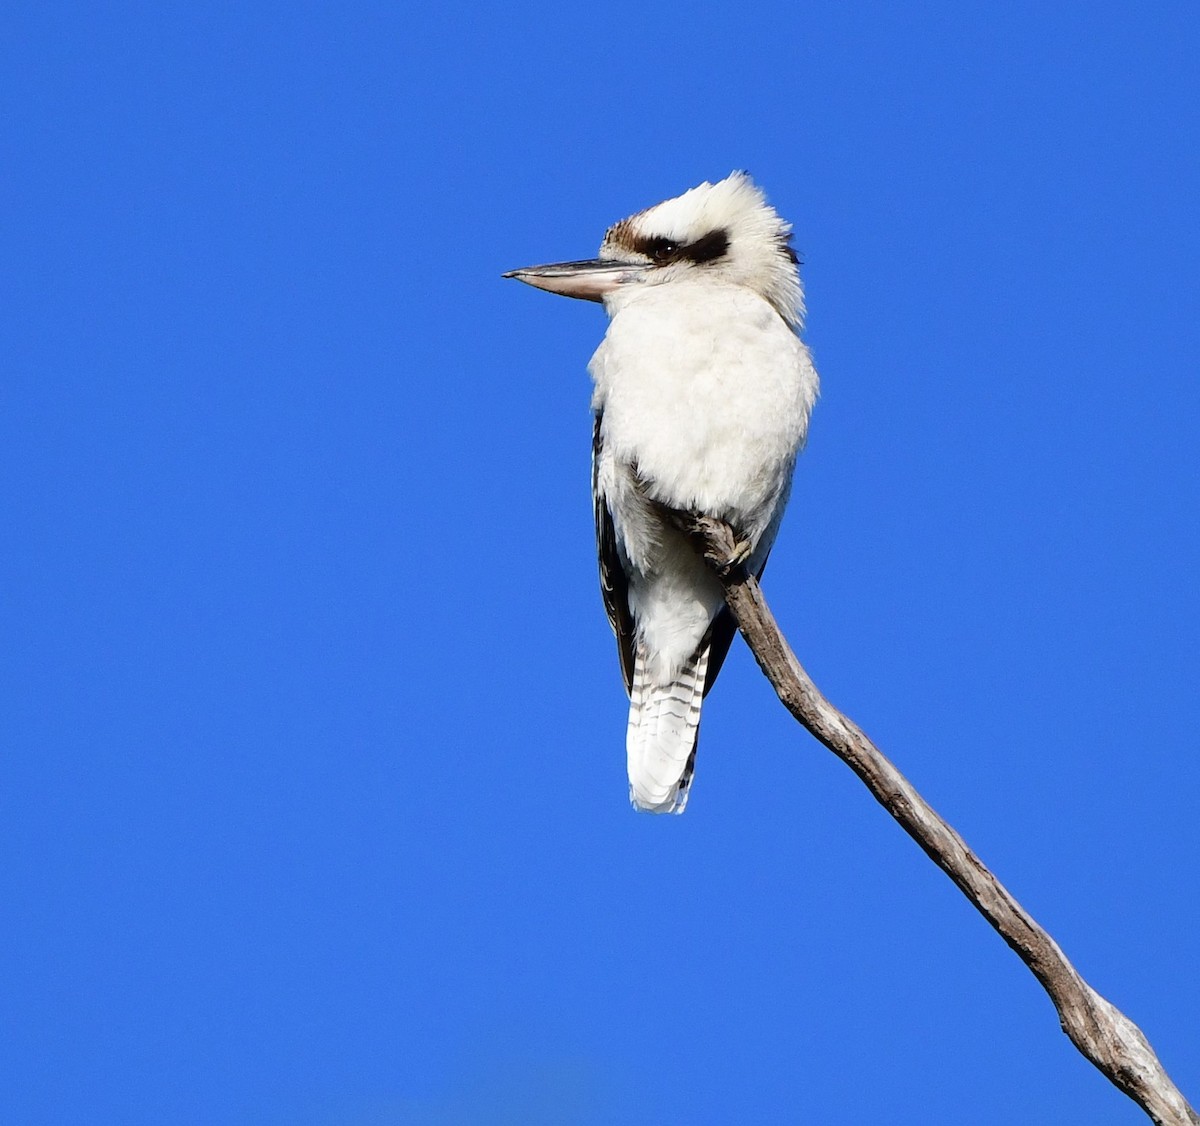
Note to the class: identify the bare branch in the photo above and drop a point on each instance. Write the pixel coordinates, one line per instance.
(1096, 1027)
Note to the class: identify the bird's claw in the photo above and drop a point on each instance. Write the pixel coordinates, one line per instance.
(736, 558)
(723, 551)
(716, 541)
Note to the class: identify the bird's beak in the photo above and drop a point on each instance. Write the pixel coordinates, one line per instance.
(589, 280)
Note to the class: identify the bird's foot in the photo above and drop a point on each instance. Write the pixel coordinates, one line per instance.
(719, 545)
(736, 558)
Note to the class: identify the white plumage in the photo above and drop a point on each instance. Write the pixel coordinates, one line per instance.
(703, 391)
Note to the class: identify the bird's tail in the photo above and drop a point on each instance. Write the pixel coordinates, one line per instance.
(664, 723)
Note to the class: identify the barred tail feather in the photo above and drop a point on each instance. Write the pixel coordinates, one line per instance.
(664, 723)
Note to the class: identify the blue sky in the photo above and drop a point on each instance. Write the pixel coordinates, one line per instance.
(314, 803)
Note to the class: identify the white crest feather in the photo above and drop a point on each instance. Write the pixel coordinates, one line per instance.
(759, 254)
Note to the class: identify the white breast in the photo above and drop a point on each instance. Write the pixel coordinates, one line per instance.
(707, 392)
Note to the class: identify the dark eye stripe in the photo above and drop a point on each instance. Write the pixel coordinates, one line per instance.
(661, 250)
(712, 245)
(707, 248)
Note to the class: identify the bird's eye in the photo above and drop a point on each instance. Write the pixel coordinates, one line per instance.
(662, 250)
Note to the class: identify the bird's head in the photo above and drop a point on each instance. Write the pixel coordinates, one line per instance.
(724, 231)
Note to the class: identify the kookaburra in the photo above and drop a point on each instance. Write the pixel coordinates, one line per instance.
(703, 391)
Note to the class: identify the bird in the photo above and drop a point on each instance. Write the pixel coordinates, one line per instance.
(702, 392)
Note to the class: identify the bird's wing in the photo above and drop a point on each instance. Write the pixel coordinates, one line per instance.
(720, 638)
(614, 587)
(614, 583)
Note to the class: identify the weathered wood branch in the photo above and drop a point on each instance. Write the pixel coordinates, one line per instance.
(1096, 1027)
